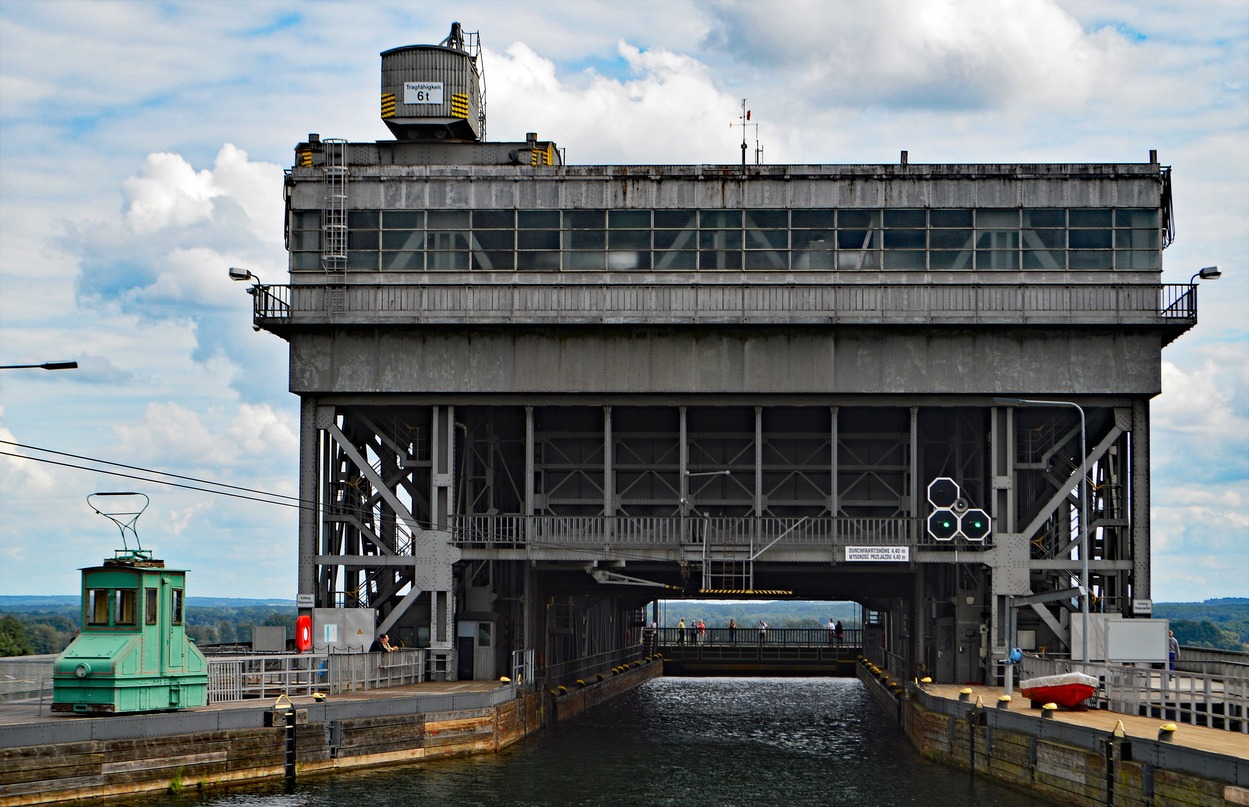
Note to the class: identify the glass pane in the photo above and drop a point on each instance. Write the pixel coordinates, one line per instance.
(1136, 239)
(676, 260)
(996, 259)
(493, 239)
(625, 261)
(537, 219)
(910, 259)
(813, 260)
(1089, 239)
(1086, 259)
(305, 240)
(904, 218)
(858, 218)
(363, 219)
(175, 612)
(857, 239)
(403, 219)
(1049, 239)
(494, 261)
(483, 634)
(764, 219)
(584, 219)
(767, 239)
(126, 601)
(939, 261)
(767, 260)
(674, 219)
(626, 219)
(904, 239)
(446, 261)
(403, 261)
(720, 239)
(392, 239)
(543, 261)
(629, 239)
(720, 260)
(363, 261)
(537, 239)
(667, 239)
(493, 219)
(306, 220)
(447, 219)
(949, 218)
(720, 218)
(1088, 217)
(1136, 217)
(150, 601)
(1045, 217)
(97, 606)
(305, 261)
(446, 240)
(813, 239)
(367, 239)
(992, 217)
(1002, 239)
(1138, 259)
(858, 259)
(1055, 260)
(584, 239)
(950, 239)
(804, 219)
(584, 261)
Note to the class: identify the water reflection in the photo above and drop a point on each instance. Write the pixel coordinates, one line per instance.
(718, 742)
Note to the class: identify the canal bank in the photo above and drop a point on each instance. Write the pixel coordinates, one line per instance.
(1077, 758)
(46, 759)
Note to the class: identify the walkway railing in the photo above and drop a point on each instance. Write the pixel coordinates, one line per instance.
(535, 533)
(750, 635)
(440, 301)
(234, 678)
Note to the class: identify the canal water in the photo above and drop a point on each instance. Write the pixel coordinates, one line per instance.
(687, 742)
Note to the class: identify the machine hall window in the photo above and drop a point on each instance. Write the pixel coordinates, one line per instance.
(125, 602)
(97, 606)
(151, 598)
(176, 596)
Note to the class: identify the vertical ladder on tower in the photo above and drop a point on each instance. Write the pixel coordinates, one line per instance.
(727, 562)
(334, 224)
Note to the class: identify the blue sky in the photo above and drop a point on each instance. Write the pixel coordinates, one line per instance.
(142, 147)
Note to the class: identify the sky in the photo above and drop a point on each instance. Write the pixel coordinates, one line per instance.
(142, 150)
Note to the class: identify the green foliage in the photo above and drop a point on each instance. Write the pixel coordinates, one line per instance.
(1221, 624)
(778, 614)
(14, 639)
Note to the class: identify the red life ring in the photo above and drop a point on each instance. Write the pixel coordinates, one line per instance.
(303, 634)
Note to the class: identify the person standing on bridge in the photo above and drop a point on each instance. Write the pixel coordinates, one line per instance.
(681, 631)
(733, 631)
(763, 631)
(832, 631)
(702, 632)
(839, 631)
(1173, 649)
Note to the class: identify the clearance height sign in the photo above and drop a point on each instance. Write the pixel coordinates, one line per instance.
(888, 554)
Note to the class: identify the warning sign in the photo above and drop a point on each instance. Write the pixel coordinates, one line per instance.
(886, 554)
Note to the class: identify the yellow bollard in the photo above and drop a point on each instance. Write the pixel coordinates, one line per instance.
(1047, 711)
(1003, 702)
(1166, 734)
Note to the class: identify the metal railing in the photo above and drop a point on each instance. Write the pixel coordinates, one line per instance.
(677, 532)
(441, 301)
(235, 678)
(568, 672)
(750, 635)
(1183, 697)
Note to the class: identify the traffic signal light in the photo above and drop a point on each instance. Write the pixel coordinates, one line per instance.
(943, 524)
(975, 525)
(943, 492)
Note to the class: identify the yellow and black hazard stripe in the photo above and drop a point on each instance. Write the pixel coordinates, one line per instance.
(459, 105)
(772, 592)
(303, 157)
(388, 105)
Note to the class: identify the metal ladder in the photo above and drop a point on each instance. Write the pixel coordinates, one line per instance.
(334, 224)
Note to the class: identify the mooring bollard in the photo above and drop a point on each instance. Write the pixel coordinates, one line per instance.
(1166, 733)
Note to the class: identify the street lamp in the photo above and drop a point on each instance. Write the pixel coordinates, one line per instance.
(47, 365)
(1207, 273)
(242, 274)
(1084, 505)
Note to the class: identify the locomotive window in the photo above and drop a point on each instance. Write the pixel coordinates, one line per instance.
(124, 612)
(97, 606)
(149, 606)
(175, 613)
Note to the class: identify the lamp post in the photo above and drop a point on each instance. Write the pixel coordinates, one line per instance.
(1206, 273)
(47, 365)
(1084, 509)
(243, 274)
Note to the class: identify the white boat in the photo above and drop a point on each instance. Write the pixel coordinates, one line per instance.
(1065, 689)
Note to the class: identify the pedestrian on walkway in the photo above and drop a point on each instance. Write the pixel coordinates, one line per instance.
(1173, 649)
(681, 631)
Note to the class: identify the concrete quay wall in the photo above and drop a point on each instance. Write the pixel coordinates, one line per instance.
(66, 759)
(1067, 763)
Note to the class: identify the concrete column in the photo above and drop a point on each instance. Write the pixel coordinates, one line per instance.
(309, 494)
(1138, 484)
